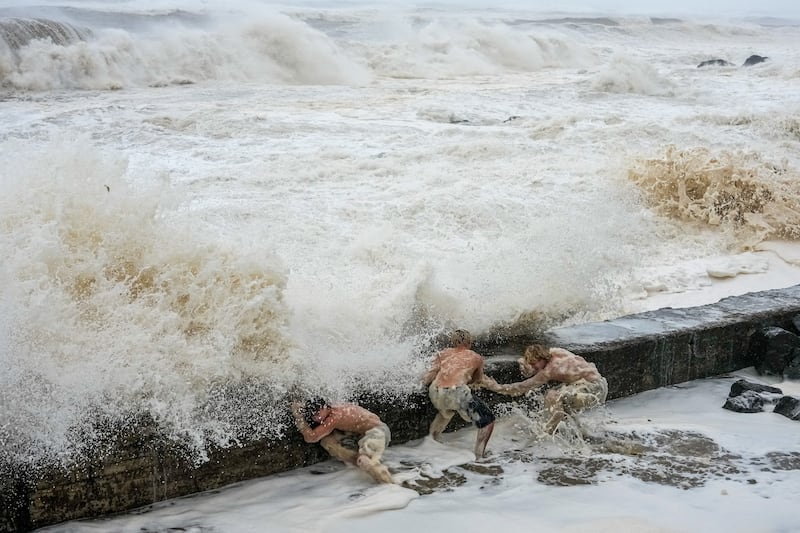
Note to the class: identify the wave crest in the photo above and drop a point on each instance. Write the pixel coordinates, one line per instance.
(17, 32)
(441, 49)
(628, 75)
(270, 48)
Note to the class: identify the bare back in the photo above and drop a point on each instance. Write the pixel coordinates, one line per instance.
(353, 418)
(458, 366)
(567, 367)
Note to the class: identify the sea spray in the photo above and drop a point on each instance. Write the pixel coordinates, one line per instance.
(117, 305)
(737, 192)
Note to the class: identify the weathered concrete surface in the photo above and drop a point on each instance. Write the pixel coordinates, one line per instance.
(635, 353)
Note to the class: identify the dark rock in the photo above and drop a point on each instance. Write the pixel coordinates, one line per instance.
(792, 370)
(788, 406)
(754, 60)
(747, 402)
(742, 385)
(796, 324)
(772, 348)
(748, 397)
(714, 62)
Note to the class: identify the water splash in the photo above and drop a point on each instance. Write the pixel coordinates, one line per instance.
(115, 305)
(738, 192)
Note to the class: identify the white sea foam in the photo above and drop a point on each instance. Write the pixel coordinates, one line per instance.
(627, 75)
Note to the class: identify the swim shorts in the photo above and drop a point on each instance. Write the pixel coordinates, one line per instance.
(582, 394)
(461, 400)
(374, 442)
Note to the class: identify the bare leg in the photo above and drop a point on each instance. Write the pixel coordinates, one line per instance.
(483, 437)
(335, 448)
(552, 405)
(439, 423)
(375, 469)
(555, 419)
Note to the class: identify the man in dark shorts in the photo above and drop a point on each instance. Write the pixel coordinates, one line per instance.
(449, 378)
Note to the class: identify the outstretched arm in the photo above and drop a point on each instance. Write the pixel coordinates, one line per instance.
(516, 389)
(486, 383)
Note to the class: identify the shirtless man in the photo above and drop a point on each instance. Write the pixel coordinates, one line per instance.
(329, 424)
(581, 386)
(449, 378)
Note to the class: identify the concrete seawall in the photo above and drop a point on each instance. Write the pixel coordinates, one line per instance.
(138, 467)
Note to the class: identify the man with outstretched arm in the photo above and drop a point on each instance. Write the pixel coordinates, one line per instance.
(581, 387)
(449, 378)
(329, 424)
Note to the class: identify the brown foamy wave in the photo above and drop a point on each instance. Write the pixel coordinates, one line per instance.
(738, 192)
(118, 303)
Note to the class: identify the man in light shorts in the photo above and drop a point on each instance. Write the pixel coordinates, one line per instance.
(449, 380)
(581, 387)
(331, 424)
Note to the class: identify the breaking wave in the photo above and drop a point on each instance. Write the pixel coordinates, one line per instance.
(116, 306)
(628, 75)
(42, 54)
(271, 49)
(17, 32)
(445, 48)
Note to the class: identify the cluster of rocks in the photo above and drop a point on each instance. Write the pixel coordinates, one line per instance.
(750, 61)
(775, 352)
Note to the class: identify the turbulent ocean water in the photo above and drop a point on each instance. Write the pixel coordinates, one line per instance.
(202, 196)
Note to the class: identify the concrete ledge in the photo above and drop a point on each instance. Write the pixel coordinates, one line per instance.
(658, 348)
(636, 353)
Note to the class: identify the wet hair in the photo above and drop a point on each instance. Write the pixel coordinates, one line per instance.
(461, 337)
(537, 351)
(311, 408)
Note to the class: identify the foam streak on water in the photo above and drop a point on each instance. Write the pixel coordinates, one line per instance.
(279, 196)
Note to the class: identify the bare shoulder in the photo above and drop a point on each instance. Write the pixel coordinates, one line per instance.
(562, 352)
(475, 359)
(347, 409)
(352, 411)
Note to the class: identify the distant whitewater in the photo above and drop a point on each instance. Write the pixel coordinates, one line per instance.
(78, 48)
(205, 208)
